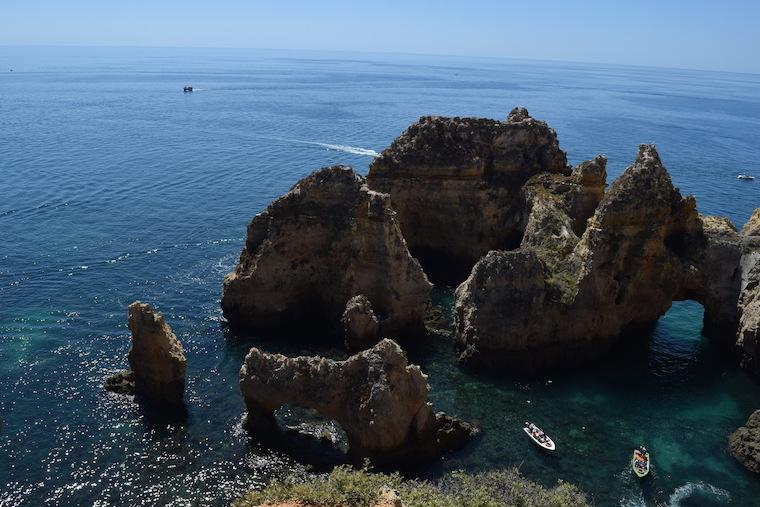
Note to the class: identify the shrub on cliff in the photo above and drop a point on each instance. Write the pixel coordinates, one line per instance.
(345, 487)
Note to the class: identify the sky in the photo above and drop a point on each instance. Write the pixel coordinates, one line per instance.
(695, 34)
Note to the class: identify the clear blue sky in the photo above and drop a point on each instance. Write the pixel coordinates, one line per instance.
(701, 34)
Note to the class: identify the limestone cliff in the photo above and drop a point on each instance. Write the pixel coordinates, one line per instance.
(376, 396)
(456, 182)
(330, 238)
(559, 298)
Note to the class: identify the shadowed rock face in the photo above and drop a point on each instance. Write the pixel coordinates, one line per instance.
(750, 245)
(156, 357)
(560, 298)
(330, 238)
(748, 336)
(376, 396)
(744, 443)
(456, 182)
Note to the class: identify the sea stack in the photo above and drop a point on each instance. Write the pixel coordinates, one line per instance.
(376, 396)
(156, 358)
(328, 240)
(456, 182)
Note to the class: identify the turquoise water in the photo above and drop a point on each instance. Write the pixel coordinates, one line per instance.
(117, 186)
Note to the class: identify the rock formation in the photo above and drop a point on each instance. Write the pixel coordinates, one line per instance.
(330, 238)
(750, 245)
(748, 336)
(378, 399)
(360, 324)
(560, 297)
(156, 358)
(456, 182)
(744, 443)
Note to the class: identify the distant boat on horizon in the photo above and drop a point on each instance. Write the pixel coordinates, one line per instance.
(747, 177)
(187, 88)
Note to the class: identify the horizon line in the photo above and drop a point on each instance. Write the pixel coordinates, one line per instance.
(397, 53)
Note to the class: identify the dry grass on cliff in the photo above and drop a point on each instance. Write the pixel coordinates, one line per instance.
(346, 487)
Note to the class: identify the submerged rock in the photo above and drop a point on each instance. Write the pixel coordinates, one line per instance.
(456, 182)
(560, 298)
(122, 382)
(330, 238)
(378, 399)
(744, 443)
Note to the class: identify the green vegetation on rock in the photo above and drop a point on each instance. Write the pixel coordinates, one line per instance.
(345, 486)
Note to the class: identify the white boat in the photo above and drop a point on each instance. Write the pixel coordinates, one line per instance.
(745, 177)
(538, 437)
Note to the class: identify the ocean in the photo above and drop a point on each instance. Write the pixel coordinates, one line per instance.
(116, 186)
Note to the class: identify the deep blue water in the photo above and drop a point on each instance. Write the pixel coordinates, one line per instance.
(116, 186)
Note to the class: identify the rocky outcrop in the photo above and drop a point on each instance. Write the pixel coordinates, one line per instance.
(156, 358)
(360, 324)
(750, 245)
(330, 238)
(456, 182)
(748, 336)
(122, 382)
(378, 399)
(744, 443)
(560, 297)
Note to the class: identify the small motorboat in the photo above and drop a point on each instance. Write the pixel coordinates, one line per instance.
(538, 437)
(187, 88)
(640, 462)
(747, 177)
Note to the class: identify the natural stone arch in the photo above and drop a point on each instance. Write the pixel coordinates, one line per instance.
(560, 298)
(378, 399)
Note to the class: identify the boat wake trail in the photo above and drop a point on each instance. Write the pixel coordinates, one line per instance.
(354, 150)
(348, 149)
(695, 492)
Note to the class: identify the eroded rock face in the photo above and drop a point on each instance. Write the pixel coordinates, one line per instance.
(456, 182)
(156, 357)
(561, 297)
(330, 238)
(360, 324)
(744, 443)
(379, 400)
(748, 336)
(750, 245)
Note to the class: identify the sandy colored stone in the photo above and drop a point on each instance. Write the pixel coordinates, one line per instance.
(456, 182)
(560, 298)
(330, 238)
(156, 357)
(378, 399)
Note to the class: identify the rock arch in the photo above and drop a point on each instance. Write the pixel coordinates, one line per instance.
(378, 399)
(561, 297)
